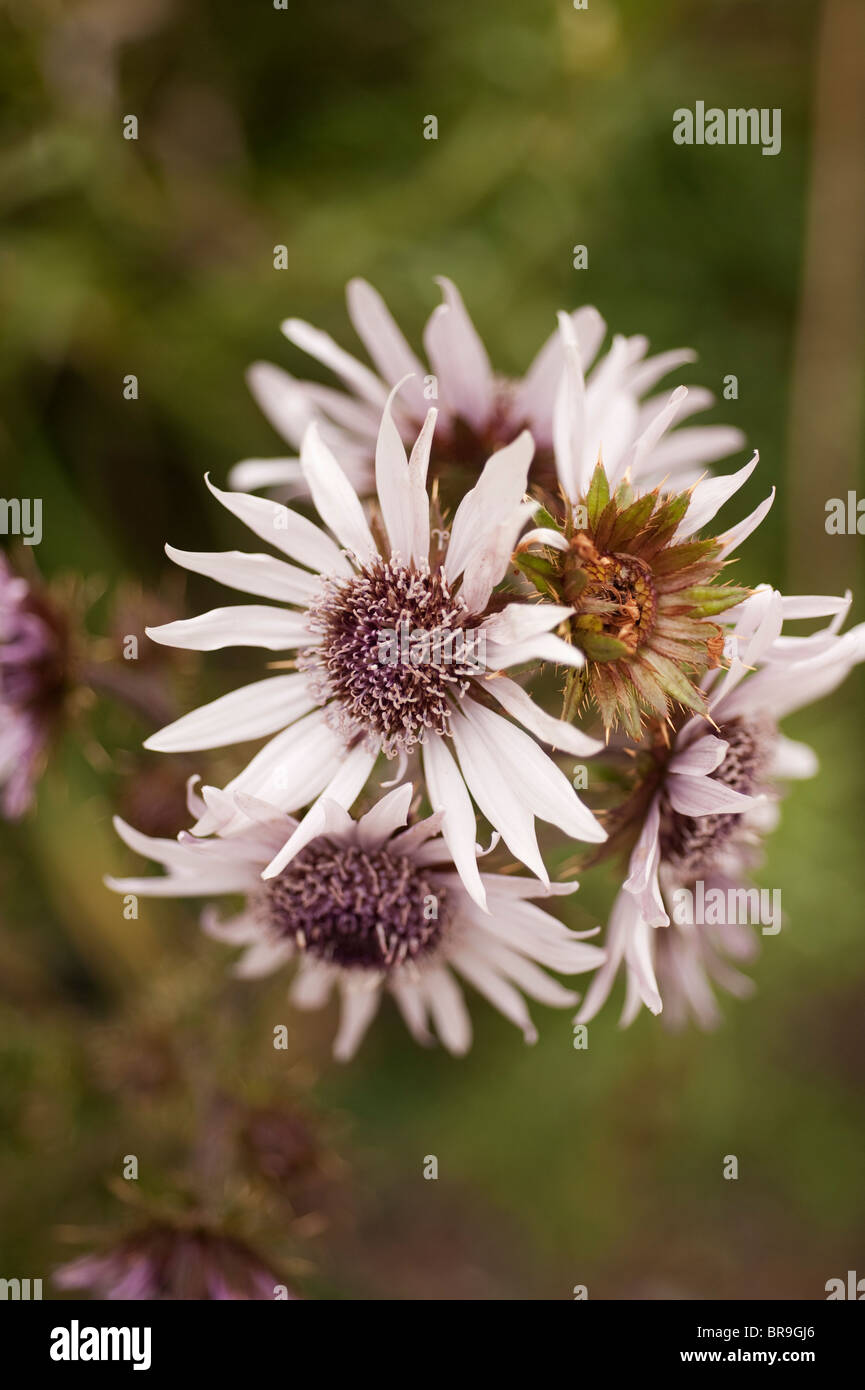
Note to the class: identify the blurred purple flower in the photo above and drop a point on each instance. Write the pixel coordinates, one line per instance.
(33, 662)
(163, 1263)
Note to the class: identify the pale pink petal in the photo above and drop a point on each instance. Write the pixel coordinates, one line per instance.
(250, 712)
(448, 796)
(396, 495)
(447, 1007)
(459, 359)
(705, 796)
(701, 757)
(264, 575)
(321, 346)
(556, 732)
(386, 817)
(497, 991)
(359, 1008)
(287, 530)
(709, 496)
(518, 621)
(245, 625)
(335, 499)
(344, 787)
(384, 340)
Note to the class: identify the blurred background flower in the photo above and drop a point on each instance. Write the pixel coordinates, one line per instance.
(154, 258)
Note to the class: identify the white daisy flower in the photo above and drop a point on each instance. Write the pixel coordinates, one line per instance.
(349, 701)
(369, 907)
(714, 796)
(479, 411)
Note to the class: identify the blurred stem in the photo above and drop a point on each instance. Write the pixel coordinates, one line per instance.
(826, 416)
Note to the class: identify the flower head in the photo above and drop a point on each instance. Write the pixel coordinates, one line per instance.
(33, 683)
(703, 802)
(479, 411)
(369, 907)
(644, 590)
(167, 1263)
(347, 605)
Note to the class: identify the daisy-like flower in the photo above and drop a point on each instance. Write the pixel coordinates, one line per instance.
(479, 410)
(644, 588)
(33, 684)
(703, 804)
(346, 602)
(173, 1264)
(369, 907)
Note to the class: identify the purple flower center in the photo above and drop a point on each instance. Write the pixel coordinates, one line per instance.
(392, 654)
(357, 908)
(693, 842)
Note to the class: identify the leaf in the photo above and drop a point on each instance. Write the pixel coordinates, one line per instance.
(600, 646)
(714, 598)
(598, 494)
(676, 557)
(631, 521)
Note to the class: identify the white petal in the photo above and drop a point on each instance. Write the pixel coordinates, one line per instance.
(335, 499)
(701, 757)
(488, 778)
(412, 1006)
(650, 372)
(321, 346)
(287, 530)
(446, 1004)
(709, 497)
(245, 625)
(556, 732)
(637, 457)
(417, 471)
(543, 535)
(289, 770)
(518, 621)
(359, 1008)
(693, 448)
(254, 574)
(497, 991)
(206, 885)
(392, 484)
(733, 538)
(793, 760)
(569, 416)
(383, 339)
(448, 795)
(459, 359)
(705, 796)
(343, 788)
(312, 985)
(539, 782)
(488, 522)
(168, 853)
(250, 474)
(385, 817)
(250, 712)
(547, 647)
(262, 959)
(281, 399)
